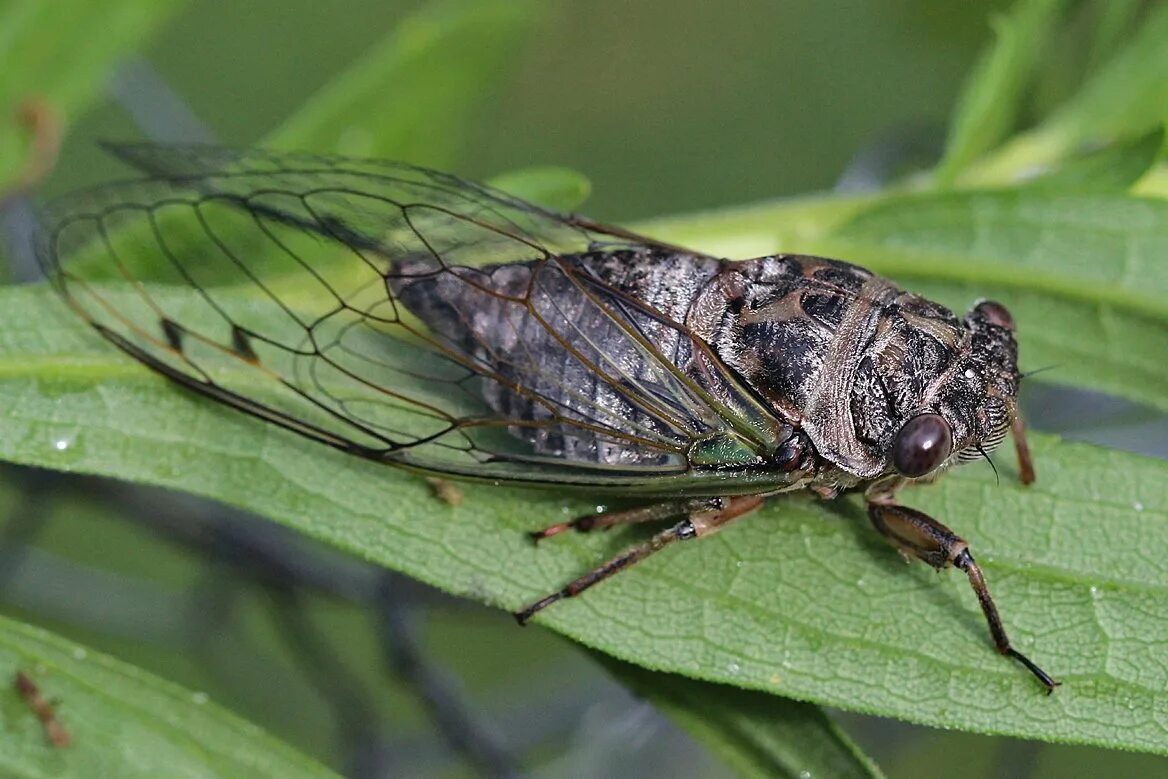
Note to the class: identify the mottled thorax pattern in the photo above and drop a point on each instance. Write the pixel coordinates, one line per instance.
(915, 344)
(774, 321)
(849, 357)
(795, 328)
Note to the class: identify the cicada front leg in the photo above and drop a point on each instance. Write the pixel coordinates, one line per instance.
(917, 535)
(1022, 449)
(703, 517)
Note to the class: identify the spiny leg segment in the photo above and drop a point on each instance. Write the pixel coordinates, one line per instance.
(703, 517)
(917, 535)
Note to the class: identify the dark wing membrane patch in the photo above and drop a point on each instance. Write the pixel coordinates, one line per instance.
(397, 313)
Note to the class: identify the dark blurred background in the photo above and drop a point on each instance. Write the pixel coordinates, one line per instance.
(667, 106)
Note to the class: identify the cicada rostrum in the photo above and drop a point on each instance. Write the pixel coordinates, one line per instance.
(416, 319)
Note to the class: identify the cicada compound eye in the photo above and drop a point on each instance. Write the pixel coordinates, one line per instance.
(922, 444)
(996, 313)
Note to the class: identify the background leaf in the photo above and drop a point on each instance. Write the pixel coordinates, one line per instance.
(412, 96)
(1113, 23)
(560, 189)
(1125, 97)
(123, 722)
(65, 65)
(755, 733)
(802, 600)
(1116, 168)
(989, 104)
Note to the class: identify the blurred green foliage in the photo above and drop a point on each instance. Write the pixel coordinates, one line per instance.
(666, 106)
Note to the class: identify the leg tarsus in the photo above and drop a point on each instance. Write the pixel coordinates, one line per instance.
(965, 562)
(1042, 675)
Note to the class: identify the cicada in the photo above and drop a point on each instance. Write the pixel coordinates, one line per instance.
(413, 318)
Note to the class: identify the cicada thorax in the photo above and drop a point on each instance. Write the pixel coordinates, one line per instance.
(794, 327)
(848, 357)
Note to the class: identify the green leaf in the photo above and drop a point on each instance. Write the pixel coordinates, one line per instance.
(413, 96)
(1112, 22)
(1126, 97)
(63, 63)
(754, 733)
(763, 228)
(1116, 168)
(560, 189)
(802, 599)
(989, 103)
(123, 722)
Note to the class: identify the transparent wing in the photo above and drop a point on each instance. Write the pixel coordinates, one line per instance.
(393, 312)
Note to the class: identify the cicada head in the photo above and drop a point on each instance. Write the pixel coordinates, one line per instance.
(991, 395)
(966, 411)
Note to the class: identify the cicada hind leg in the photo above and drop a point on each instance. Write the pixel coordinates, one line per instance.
(702, 517)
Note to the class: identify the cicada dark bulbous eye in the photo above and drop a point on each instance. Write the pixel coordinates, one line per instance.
(996, 313)
(922, 444)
